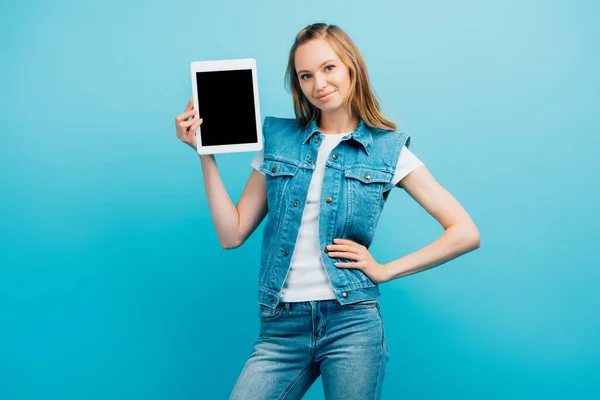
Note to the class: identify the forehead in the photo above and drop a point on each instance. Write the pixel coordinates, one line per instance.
(311, 54)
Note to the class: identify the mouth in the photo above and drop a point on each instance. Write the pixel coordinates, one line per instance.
(326, 95)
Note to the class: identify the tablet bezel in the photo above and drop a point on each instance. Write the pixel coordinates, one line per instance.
(227, 65)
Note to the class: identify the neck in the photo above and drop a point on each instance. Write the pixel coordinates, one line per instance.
(337, 122)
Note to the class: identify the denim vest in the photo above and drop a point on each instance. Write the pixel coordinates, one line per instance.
(352, 198)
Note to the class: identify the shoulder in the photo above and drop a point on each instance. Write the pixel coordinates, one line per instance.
(278, 123)
(277, 133)
(387, 137)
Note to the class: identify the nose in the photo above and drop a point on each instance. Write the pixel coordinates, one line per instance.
(320, 82)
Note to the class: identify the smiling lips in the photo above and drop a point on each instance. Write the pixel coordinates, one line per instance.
(326, 95)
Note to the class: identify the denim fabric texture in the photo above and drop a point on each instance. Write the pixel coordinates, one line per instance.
(298, 342)
(352, 199)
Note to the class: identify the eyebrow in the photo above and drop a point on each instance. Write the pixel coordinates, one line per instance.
(331, 59)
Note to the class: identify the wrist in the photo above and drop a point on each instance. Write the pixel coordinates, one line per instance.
(387, 273)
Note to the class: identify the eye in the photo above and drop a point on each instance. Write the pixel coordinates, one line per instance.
(302, 76)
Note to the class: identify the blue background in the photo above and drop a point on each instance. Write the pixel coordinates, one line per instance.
(112, 281)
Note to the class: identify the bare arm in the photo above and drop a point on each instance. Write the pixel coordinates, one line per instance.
(234, 224)
(460, 232)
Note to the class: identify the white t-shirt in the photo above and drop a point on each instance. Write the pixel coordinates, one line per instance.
(307, 279)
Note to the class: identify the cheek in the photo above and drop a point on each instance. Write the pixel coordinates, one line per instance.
(305, 88)
(343, 81)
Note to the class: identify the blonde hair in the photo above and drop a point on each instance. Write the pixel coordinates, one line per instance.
(360, 99)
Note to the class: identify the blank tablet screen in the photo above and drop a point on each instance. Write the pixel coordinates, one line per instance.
(226, 106)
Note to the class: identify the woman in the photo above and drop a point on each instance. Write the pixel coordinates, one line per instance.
(323, 178)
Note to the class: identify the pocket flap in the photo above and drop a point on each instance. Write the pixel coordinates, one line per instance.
(278, 168)
(368, 175)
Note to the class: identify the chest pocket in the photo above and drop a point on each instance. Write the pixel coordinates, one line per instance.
(367, 180)
(365, 200)
(278, 175)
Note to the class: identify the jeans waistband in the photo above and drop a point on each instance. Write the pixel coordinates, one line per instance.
(289, 305)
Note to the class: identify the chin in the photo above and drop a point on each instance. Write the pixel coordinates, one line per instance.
(330, 109)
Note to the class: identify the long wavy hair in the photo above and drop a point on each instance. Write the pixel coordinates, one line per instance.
(360, 99)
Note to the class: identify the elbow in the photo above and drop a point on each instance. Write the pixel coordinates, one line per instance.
(231, 245)
(469, 236)
(475, 239)
(476, 243)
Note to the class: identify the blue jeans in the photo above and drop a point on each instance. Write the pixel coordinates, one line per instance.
(297, 342)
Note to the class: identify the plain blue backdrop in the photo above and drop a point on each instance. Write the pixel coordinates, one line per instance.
(112, 281)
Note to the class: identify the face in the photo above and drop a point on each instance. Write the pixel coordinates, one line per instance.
(323, 77)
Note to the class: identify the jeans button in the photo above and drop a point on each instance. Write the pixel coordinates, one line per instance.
(296, 203)
(285, 253)
(329, 199)
(344, 294)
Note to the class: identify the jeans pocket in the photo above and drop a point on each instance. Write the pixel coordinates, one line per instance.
(369, 303)
(267, 314)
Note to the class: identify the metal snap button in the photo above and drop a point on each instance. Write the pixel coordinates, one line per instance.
(296, 203)
(329, 199)
(367, 176)
(274, 169)
(310, 160)
(334, 156)
(285, 253)
(271, 299)
(344, 294)
(317, 141)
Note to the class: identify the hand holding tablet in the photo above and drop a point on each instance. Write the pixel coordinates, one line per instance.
(186, 130)
(225, 108)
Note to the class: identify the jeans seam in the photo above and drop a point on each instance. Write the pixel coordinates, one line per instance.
(381, 357)
(295, 381)
(377, 384)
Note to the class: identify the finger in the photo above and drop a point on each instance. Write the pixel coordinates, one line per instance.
(190, 104)
(185, 115)
(341, 254)
(194, 127)
(346, 265)
(345, 241)
(343, 247)
(197, 123)
(189, 123)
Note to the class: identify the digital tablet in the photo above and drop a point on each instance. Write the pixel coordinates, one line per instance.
(226, 98)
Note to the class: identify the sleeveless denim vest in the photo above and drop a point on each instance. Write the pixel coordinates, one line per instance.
(352, 198)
